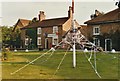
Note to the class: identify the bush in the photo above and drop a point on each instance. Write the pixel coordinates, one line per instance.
(5, 53)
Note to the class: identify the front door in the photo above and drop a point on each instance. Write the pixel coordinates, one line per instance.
(108, 45)
(46, 43)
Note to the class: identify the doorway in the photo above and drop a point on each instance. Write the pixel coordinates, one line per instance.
(46, 43)
(108, 44)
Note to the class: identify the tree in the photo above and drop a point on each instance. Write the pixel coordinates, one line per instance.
(6, 35)
(10, 38)
(16, 39)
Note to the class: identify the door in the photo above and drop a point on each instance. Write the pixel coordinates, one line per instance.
(108, 45)
(46, 43)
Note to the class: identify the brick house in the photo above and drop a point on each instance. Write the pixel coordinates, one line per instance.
(49, 32)
(104, 30)
(17, 28)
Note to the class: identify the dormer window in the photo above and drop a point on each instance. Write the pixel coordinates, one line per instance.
(96, 30)
(55, 29)
(39, 31)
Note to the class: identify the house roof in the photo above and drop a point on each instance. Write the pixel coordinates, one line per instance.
(110, 17)
(24, 22)
(47, 23)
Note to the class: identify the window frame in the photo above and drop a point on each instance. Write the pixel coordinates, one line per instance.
(39, 38)
(97, 41)
(96, 30)
(55, 29)
(39, 30)
(53, 41)
(26, 41)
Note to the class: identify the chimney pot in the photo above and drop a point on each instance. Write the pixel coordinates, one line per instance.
(41, 15)
(70, 12)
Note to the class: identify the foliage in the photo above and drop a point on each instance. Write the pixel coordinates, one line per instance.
(16, 38)
(6, 54)
(9, 37)
(116, 39)
(32, 33)
(6, 35)
(115, 36)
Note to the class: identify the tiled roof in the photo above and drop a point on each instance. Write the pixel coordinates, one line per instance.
(112, 16)
(24, 22)
(48, 23)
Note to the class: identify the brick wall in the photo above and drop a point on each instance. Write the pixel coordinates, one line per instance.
(106, 31)
(49, 30)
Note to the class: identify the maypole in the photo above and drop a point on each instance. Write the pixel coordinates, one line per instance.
(73, 38)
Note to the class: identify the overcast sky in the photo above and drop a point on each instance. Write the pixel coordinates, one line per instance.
(12, 11)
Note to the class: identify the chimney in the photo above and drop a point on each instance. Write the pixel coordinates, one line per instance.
(96, 12)
(41, 16)
(70, 12)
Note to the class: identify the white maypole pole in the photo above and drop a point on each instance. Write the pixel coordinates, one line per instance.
(74, 49)
(74, 55)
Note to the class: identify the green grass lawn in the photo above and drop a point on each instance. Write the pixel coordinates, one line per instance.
(107, 66)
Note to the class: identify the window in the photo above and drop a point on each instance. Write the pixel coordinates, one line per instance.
(55, 41)
(39, 31)
(96, 41)
(96, 30)
(39, 41)
(55, 29)
(26, 41)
